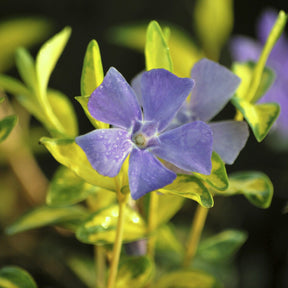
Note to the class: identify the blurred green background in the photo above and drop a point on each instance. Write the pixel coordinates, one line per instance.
(263, 260)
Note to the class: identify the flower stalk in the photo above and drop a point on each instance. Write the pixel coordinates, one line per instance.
(195, 234)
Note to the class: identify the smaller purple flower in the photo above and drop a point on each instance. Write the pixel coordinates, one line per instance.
(246, 49)
(139, 130)
(214, 87)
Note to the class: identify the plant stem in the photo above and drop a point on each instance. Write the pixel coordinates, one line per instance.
(152, 223)
(195, 234)
(118, 240)
(100, 261)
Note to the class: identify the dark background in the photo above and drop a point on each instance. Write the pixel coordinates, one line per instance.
(263, 260)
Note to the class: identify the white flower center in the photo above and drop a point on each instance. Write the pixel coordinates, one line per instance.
(140, 140)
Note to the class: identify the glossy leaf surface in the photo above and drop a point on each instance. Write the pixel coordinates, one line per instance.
(255, 186)
(157, 52)
(45, 215)
(190, 187)
(15, 277)
(69, 154)
(218, 177)
(221, 246)
(100, 227)
(260, 117)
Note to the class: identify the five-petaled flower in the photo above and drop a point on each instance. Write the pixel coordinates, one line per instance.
(247, 49)
(214, 87)
(139, 123)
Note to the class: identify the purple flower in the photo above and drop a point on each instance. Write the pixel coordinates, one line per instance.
(214, 87)
(245, 49)
(139, 130)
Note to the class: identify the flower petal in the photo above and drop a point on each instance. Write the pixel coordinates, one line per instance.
(106, 149)
(146, 173)
(214, 86)
(114, 101)
(163, 93)
(136, 85)
(229, 137)
(189, 147)
(245, 49)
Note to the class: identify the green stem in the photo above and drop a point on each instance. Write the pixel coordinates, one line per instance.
(195, 234)
(152, 223)
(118, 240)
(100, 264)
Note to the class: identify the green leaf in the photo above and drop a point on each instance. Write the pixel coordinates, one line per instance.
(187, 279)
(245, 71)
(167, 241)
(260, 117)
(83, 100)
(48, 56)
(255, 186)
(183, 50)
(92, 71)
(66, 188)
(157, 53)
(45, 215)
(168, 206)
(273, 36)
(13, 86)
(15, 277)
(218, 178)
(190, 187)
(100, 227)
(84, 268)
(26, 68)
(69, 154)
(20, 32)
(135, 271)
(214, 23)
(6, 126)
(63, 110)
(221, 246)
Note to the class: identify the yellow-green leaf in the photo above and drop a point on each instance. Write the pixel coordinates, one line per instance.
(92, 71)
(63, 110)
(221, 246)
(83, 100)
(214, 23)
(167, 241)
(183, 51)
(260, 117)
(66, 188)
(187, 279)
(6, 126)
(168, 206)
(134, 271)
(190, 187)
(157, 52)
(26, 68)
(45, 215)
(69, 154)
(15, 277)
(255, 186)
(100, 227)
(218, 178)
(20, 32)
(48, 56)
(84, 268)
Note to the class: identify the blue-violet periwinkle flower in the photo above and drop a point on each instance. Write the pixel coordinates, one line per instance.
(214, 87)
(139, 130)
